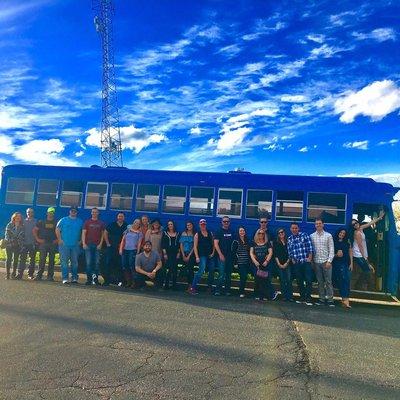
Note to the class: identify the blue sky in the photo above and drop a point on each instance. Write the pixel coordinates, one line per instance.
(287, 87)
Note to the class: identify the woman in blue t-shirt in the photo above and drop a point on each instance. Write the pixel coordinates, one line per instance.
(186, 244)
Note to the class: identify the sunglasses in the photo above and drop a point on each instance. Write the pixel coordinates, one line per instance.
(280, 232)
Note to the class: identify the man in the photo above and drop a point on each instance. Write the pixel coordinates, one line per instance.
(263, 222)
(112, 237)
(323, 255)
(223, 245)
(29, 247)
(45, 235)
(68, 232)
(148, 267)
(300, 252)
(92, 241)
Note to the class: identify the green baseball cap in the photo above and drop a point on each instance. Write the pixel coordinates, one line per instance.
(51, 210)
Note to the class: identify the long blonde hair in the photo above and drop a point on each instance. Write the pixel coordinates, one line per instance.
(256, 239)
(12, 220)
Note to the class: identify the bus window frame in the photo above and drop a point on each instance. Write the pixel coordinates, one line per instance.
(86, 207)
(184, 200)
(289, 219)
(330, 223)
(14, 191)
(218, 215)
(62, 190)
(212, 203)
(136, 198)
(133, 197)
(247, 198)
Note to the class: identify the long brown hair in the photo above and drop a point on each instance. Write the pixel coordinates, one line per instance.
(12, 220)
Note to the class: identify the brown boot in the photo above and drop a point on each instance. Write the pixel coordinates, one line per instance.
(128, 278)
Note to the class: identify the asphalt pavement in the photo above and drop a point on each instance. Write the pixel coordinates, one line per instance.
(77, 342)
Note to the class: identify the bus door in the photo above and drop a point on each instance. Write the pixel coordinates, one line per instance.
(377, 241)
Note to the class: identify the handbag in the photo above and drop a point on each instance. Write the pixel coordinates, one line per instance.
(262, 274)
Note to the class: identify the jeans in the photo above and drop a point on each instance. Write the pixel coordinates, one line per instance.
(220, 265)
(285, 279)
(13, 254)
(263, 288)
(189, 268)
(324, 278)
(69, 254)
(303, 274)
(140, 279)
(30, 250)
(171, 266)
(92, 256)
(128, 260)
(244, 270)
(204, 261)
(44, 249)
(113, 269)
(344, 275)
(364, 279)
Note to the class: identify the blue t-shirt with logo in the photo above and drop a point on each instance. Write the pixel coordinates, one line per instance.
(71, 229)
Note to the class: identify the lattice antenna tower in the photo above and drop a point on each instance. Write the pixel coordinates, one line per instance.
(111, 149)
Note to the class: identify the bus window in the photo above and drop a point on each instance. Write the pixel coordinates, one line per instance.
(147, 197)
(121, 196)
(47, 192)
(96, 195)
(201, 201)
(289, 205)
(259, 202)
(71, 195)
(174, 199)
(331, 207)
(230, 202)
(20, 191)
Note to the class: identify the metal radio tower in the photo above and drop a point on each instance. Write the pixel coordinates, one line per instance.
(111, 150)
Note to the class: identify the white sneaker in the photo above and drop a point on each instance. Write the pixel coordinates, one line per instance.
(241, 296)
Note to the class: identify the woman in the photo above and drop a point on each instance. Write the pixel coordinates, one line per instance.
(144, 225)
(14, 237)
(360, 252)
(261, 255)
(241, 250)
(282, 260)
(171, 251)
(154, 235)
(186, 245)
(130, 245)
(203, 247)
(343, 264)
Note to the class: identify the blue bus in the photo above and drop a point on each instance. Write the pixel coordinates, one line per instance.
(183, 196)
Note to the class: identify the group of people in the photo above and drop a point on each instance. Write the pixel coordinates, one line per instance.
(144, 251)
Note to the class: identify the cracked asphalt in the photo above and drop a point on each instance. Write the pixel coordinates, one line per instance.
(60, 342)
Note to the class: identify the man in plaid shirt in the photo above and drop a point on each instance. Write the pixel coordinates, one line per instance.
(300, 252)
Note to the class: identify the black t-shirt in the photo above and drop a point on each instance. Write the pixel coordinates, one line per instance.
(261, 251)
(281, 251)
(47, 230)
(115, 232)
(225, 237)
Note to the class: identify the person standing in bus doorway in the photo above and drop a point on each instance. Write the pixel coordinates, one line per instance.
(92, 242)
(324, 251)
(29, 248)
(223, 245)
(45, 235)
(300, 252)
(14, 237)
(360, 252)
(68, 232)
(112, 237)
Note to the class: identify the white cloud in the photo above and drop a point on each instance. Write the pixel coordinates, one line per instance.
(303, 149)
(274, 147)
(360, 145)
(380, 35)
(315, 37)
(299, 98)
(79, 153)
(9, 11)
(6, 145)
(231, 138)
(132, 138)
(40, 151)
(326, 51)
(230, 51)
(376, 100)
(285, 71)
(195, 131)
(252, 68)
(391, 142)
